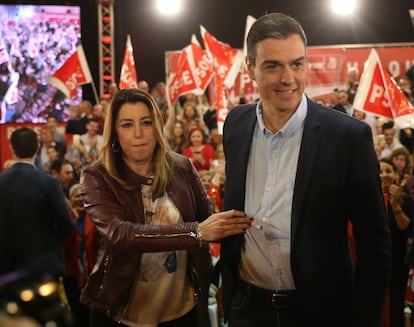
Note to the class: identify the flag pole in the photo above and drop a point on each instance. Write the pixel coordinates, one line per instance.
(95, 92)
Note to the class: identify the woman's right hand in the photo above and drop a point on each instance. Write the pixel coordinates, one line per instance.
(224, 224)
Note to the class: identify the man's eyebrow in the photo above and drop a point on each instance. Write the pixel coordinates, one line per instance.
(266, 62)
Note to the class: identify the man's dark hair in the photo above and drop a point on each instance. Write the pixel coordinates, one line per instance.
(274, 25)
(52, 116)
(57, 164)
(24, 142)
(387, 125)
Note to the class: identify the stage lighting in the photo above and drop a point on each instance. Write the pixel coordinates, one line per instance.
(343, 7)
(169, 6)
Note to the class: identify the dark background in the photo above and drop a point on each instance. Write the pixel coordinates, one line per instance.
(374, 21)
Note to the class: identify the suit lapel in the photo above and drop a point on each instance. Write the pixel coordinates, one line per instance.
(306, 161)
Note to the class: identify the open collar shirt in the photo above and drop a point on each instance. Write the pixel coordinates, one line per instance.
(270, 182)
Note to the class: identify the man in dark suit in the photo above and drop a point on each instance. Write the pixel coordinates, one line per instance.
(303, 172)
(34, 217)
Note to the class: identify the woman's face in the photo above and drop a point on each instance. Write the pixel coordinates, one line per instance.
(400, 162)
(178, 129)
(196, 138)
(189, 112)
(387, 174)
(136, 134)
(76, 200)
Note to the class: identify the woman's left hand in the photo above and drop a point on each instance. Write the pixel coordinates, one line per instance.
(224, 224)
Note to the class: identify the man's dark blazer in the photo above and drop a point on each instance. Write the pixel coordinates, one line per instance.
(34, 220)
(337, 179)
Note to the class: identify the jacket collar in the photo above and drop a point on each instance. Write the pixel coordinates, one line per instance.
(135, 178)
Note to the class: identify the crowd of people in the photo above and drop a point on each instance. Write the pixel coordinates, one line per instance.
(35, 48)
(395, 152)
(146, 186)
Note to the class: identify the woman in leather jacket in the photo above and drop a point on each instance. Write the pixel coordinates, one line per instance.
(153, 217)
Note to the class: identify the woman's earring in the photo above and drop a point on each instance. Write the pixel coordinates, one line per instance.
(115, 146)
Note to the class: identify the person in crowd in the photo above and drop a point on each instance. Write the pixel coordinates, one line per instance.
(406, 135)
(92, 140)
(406, 138)
(86, 110)
(8, 164)
(75, 123)
(113, 89)
(389, 138)
(159, 92)
(77, 155)
(203, 105)
(352, 82)
(47, 138)
(73, 278)
(152, 215)
(62, 170)
(303, 172)
(190, 117)
(213, 190)
(177, 138)
(81, 251)
(400, 212)
(215, 138)
(341, 101)
(210, 118)
(198, 150)
(52, 122)
(143, 85)
(105, 103)
(53, 154)
(403, 162)
(405, 86)
(89, 242)
(34, 219)
(99, 114)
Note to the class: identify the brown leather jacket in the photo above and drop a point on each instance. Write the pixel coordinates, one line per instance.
(118, 215)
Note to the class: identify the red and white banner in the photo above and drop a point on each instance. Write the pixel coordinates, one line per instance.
(73, 73)
(201, 64)
(379, 94)
(327, 66)
(182, 81)
(227, 62)
(128, 78)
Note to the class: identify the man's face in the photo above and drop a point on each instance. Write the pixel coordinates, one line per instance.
(280, 72)
(389, 135)
(92, 127)
(66, 175)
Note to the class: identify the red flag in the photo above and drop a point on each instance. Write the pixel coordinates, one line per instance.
(226, 62)
(128, 78)
(201, 63)
(379, 94)
(172, 59)
(183, 81)
(73, 73)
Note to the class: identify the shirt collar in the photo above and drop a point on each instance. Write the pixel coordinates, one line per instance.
(292, 124)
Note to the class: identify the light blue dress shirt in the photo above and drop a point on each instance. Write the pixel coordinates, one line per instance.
(270, 181)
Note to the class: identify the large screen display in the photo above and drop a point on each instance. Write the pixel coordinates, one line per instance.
(35, 41)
